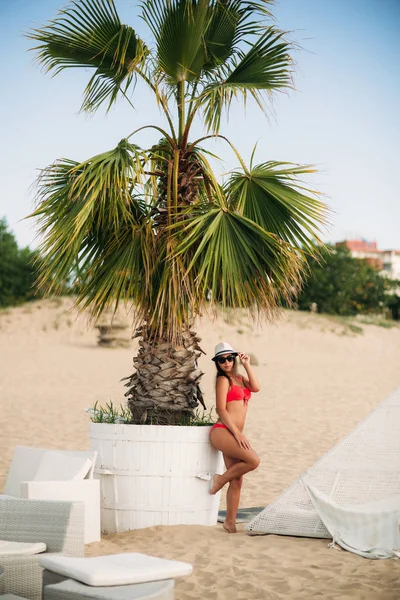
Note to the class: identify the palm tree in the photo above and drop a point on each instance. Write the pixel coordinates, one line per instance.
(153, 226)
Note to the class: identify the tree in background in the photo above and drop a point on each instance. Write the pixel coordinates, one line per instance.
(393, 299)
(342, 285)
(17, 271)
(153, 226)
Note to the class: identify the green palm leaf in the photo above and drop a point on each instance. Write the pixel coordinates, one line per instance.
(221, 32)
(178, 27)
(84, 204)
(236, 262)
(120, 264)
(271, 195)
(88, 33)
(231, 23)
(266, 67)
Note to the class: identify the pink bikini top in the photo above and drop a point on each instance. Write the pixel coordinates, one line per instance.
(238, 393)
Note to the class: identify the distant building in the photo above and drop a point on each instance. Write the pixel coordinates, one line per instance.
(387, 261)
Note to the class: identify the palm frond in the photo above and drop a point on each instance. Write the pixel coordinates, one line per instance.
(119, 270)
(178, 27)
(88, 33)
(220, 32)
(272, 195)
(265, 68)
(232, 22)
(235, 262)
(266, 65)
(79, 203)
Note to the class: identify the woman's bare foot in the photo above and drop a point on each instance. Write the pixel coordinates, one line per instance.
(217, 484)
(229, 527)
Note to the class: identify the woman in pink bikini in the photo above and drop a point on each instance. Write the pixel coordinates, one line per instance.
(233, 393)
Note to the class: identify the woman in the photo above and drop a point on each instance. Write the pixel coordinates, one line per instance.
(233, 393)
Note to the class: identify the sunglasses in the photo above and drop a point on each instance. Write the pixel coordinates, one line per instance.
(222, 359)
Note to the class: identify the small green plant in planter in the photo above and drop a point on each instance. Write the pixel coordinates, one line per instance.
(110, 413)
(202, 418)
(198, 418)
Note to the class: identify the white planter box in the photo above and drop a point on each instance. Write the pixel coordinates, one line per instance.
(149, 475)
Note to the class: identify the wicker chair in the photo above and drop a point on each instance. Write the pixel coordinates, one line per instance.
(58, 475)
(60, 525)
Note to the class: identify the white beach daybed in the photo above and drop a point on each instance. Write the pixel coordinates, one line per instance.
(352, 494)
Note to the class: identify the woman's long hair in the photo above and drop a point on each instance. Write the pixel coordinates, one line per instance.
(221, 373)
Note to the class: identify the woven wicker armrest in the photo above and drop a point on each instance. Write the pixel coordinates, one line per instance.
(59, 525)
(22, 576)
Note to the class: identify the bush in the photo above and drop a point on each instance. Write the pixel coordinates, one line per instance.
(343, 285)
(17, 272)
(393, 302)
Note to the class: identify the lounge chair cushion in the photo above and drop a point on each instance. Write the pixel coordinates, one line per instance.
(38, 464)
(24, 465)
(8, 548)
(116, 569)
(55, 466)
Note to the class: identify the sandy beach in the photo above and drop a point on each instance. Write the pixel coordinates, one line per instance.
(319, 378)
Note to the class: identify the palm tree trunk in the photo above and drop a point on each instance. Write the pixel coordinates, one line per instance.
(164, 389)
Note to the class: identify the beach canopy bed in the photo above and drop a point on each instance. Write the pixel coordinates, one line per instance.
(351, 495)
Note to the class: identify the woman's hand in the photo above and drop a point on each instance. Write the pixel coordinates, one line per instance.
(244, 359)
(242, 441)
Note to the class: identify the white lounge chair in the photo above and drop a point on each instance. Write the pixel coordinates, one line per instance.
(58, 475)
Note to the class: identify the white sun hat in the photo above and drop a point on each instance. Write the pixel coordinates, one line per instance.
(223, 348)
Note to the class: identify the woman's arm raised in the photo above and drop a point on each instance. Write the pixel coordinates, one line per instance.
(252, 382)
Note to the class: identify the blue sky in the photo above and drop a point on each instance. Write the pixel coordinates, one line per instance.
(343, 116)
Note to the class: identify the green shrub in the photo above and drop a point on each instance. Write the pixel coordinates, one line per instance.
(343, 285)
(17, 271)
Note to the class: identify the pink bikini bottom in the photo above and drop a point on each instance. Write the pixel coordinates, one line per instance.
(219, 425)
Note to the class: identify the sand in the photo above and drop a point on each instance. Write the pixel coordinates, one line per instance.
(319, 378)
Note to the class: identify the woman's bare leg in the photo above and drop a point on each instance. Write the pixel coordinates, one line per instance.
(232, 498)
(247, 460)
